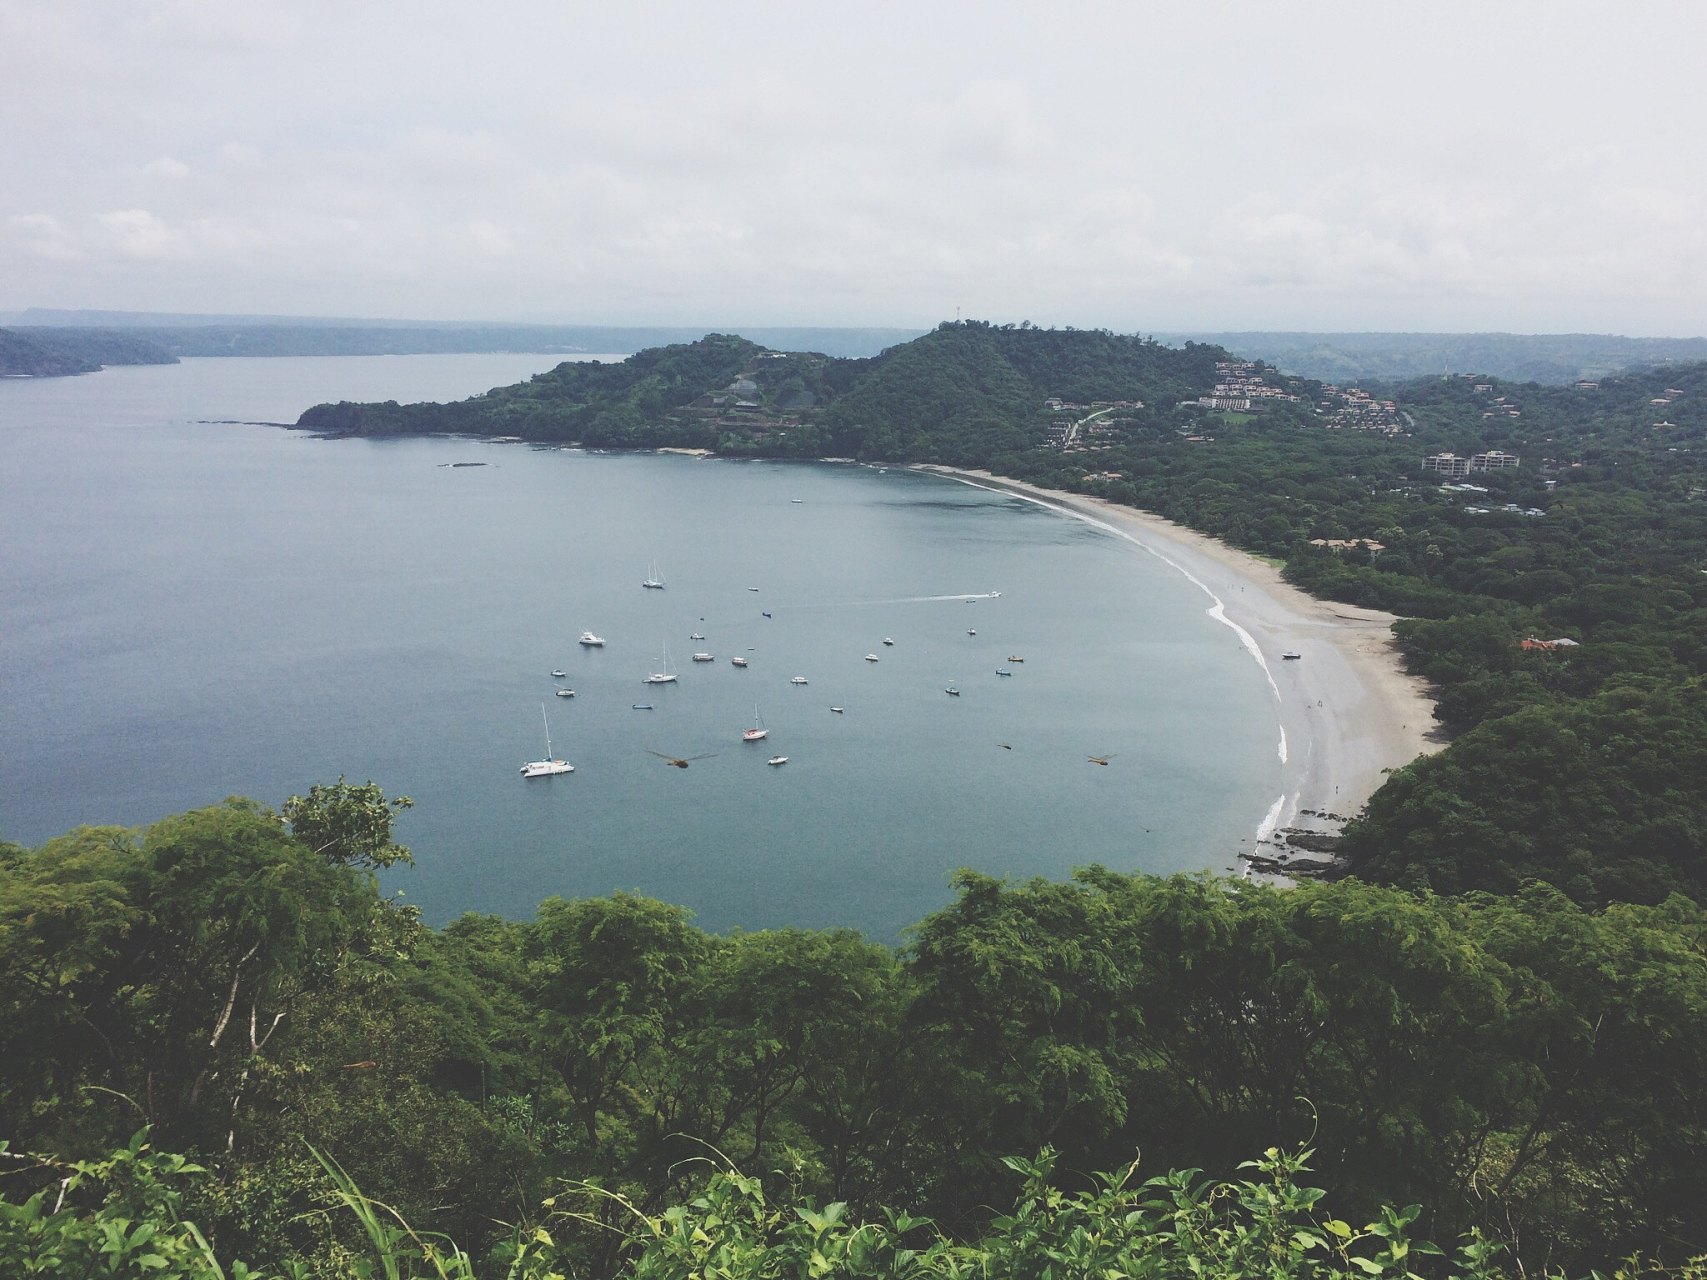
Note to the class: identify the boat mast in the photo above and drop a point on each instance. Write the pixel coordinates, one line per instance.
(547, 724)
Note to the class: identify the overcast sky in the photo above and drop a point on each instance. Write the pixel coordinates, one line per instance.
(1528, 167)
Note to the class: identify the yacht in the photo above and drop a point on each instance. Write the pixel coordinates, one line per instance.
(777, 760)
(592, 641)
(702, 657)
(559, 674)
(952, 692)
(871, 657)
(798, 680)
(758, 731)
(696, 636)
(887, 640)
(1290, 656)
(653, 581)
(737, 661)
(550, 765)
(666, 676)
(565, 693)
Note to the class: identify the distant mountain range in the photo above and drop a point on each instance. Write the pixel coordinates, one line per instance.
(59, 341)
(1554, 358)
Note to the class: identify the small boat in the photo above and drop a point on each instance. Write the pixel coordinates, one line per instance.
(777, 760)
(887, 640)
(702, 657)
(1003, 671)
(592, 641)
(565, 693)
(797, 499)
(758, 731)
(837, 710)
(560, 674)
(798, 680)
(737, 661)
(995, 595)
(871, 657)
(752, 588)
(1291, 656)
(696, 636)
(642, 706)
(767, 613)
(1011, 658)
(952, 692)
(551, 764)
(653, 581)
(971, 633)
(666, 676)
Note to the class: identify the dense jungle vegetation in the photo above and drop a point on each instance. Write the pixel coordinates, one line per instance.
(54, 353)
(233, 979)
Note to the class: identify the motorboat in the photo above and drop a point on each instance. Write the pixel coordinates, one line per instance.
(777, 760)
(696, 636)
(1290, 656)
(565, 693)
(797, 499)
(887, 640)
(702, 657)
(560, 674)
(737, 661)
(1011, 658)
(1003, 671)
(592, 641)
(798, 680)
(952, 692)
(767, 613)
(641, 706)
(971, 633)
(752, 588)
(871, 657)
(837, 710)
(551, 765)
(758, 732)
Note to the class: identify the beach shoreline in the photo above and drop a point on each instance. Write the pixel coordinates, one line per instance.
(1347, 710)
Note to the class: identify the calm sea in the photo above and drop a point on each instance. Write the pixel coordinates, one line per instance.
(191, 609)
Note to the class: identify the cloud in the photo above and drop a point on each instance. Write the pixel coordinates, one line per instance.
(1229, 165)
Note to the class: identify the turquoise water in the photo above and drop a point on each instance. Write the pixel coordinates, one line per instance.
(193, 609)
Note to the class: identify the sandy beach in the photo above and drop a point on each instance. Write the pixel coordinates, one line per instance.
(1346, 708)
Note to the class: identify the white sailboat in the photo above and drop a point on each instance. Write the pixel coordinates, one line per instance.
(666, 676)
(653, 581)
(551, 764)
(758, 731)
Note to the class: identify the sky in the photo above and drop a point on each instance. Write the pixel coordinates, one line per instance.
(1141, 166)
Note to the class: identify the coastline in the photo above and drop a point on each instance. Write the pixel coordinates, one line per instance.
(1347, 710)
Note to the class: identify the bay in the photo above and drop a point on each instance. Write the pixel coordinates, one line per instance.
(193, 608)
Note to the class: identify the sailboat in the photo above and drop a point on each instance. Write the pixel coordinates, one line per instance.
(758, 731)
(551, 764)
(666, 676)
(653, 581)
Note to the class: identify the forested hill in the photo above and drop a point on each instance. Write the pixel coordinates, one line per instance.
(961, 394)
(52, 353)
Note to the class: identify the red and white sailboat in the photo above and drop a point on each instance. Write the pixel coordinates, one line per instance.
(758, 731)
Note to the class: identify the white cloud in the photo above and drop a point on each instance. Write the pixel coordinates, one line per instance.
(1231, 164)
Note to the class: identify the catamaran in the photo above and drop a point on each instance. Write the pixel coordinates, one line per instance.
(758, 731)
(550, 765)
(666, 676)
(653, 581)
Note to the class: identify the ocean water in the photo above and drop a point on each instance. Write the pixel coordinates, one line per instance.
(192, 608)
